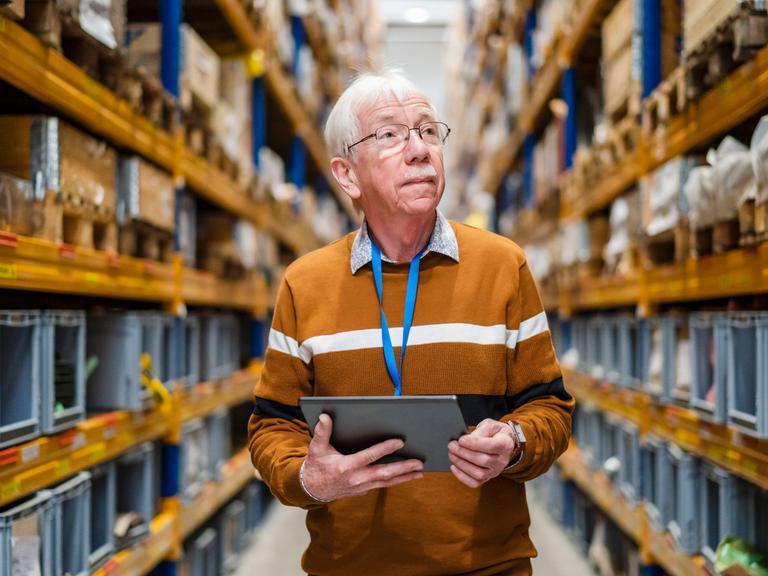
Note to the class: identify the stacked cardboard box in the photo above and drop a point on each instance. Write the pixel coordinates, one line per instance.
(702, 17)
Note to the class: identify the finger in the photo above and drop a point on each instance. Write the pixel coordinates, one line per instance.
(497, 444)
(481, 459)
(474, 472)
(375, 452)
(463, 478)
(383, 472)
(402, 479)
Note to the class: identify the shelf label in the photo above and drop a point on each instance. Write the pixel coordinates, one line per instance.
(8, 271)
(30, 453)
(11, 489)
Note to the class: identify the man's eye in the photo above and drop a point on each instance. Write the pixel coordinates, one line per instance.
(387, 134)
(428, 130)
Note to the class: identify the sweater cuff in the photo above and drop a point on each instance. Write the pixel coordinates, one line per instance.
(526, 457)
(294, 491)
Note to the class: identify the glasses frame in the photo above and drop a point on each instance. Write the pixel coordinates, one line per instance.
(416, 128)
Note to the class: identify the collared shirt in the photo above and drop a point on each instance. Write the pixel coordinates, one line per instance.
(443, 241)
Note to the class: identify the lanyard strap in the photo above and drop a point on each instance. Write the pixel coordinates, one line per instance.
(410, 306)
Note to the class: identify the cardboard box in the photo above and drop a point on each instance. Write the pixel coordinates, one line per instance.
(146, 193)
(702, 17)
(102, 20)
(13, 9)
(618, 28)
(60, 158)
(618, 81)
(200, 67)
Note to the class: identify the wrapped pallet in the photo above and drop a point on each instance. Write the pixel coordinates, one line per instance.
(199, 64)
(620, 253)
(759, 148)
(102, 21)
(665, 204)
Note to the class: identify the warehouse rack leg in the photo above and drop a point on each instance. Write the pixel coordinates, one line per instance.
(571, 129)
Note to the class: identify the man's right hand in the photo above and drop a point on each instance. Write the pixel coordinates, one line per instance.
(330, 475)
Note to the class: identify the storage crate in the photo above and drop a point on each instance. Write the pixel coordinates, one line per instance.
(103, 507)
(632, 351)
(218, 425)
(72, 526)
(201, 555)
(63, 383)
(26, 537)
(610, 441)
(145, 193)
(170, 367)
(589, 426)
(195, 458)
(20, 376)
(680, 499)
(232, 530)
(715, 490)
(746, 513)
(595, 347)
(189, 357)
(253, 496)
(629, 454)
(187, 228)
(135, 494)
(610, 347)
(219, 345)
(118, 341)
(580, 332)
(748, 372)
(709, 354)
(652, 476)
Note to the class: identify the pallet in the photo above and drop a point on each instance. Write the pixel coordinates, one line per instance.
(83, 227)
(669, 246)
(737, 39)
(761, 222)
(141, 240)
(146, 95)
(665, 102)
(747, 233)
(717, 239)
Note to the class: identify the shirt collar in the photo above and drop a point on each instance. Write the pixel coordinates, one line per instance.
(442, 241)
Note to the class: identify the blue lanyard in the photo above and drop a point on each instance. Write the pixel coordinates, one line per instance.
(410, 306)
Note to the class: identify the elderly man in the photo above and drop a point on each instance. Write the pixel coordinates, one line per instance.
(477, 330)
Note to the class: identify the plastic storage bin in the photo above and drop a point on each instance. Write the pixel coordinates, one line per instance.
(103, 506)
(715, 492)
(632, 351)
(63, 381)
(232, 532)
(253, 496)
(20, 376)
(595, 347)
(195, 456)
(629, 454)
(652, 452)
(209, 344)
(680, 499)
(709, 354)
(72, 526)
(610, 328)
(748, 372)
(580, 335)
(219, 445)
(189, 355)
(135, 494)
(26, 537)
(201, 555)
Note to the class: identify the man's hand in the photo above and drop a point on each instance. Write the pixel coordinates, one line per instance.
(330, 475)
(483, 454)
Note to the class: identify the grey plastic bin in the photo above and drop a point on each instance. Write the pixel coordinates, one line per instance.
(195, 458)
(611, 361)
(253, 496)
(595, 341)
(232, 523)
(632, 351)
(748, 372)
(715, 488)
(190, 352)
(709, 353)
(629, 454)
(103, 507)
(20, 376)
(219, 445)
(72, 526)
(26, 533)
(135, 492)
(63, 384)
(680, 499)
(652, 477)
(581, 342)
(201, 555)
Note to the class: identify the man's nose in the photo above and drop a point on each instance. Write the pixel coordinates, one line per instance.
(416, 150)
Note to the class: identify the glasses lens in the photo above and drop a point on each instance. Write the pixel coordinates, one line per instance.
(391, 136)
(433, 132)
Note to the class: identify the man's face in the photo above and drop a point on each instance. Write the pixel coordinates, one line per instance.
(408, 180)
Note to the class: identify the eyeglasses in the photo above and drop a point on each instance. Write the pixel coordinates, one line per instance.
(393, 136)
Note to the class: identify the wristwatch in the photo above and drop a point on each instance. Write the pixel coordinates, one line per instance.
(518, 431)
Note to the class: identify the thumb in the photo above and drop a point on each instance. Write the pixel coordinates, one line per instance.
(488, 428)
(323, 429)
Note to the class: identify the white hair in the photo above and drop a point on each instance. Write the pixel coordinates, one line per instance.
(342, 128)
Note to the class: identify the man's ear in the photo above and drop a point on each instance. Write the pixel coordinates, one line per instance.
(345, 175)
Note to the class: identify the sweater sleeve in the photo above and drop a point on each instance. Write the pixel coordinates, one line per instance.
(278, 436)
(538, 400)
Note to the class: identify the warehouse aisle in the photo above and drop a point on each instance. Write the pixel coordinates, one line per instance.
(277, 547)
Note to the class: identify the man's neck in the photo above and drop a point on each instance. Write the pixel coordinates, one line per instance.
(400, 240)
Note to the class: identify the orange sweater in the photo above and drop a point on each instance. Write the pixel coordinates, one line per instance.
(480, 332)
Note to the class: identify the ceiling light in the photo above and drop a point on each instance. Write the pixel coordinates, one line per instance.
(416, 15)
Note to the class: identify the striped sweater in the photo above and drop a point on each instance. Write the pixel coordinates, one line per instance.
(480, 332)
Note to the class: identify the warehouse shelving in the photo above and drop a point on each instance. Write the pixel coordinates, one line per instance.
(724, 446)
(49, 77)
(37, 464)
(633, 520)
(284, 88)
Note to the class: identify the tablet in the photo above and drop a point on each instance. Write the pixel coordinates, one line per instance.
(425, 423)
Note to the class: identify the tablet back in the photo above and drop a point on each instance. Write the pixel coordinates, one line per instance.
(425, 423)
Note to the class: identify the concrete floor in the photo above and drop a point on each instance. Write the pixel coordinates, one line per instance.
(277, 547)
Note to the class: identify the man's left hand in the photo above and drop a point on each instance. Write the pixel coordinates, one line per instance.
(483, 454)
